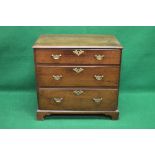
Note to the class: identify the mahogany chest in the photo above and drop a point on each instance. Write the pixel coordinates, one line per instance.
(77, 74)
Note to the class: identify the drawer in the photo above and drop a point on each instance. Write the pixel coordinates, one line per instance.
(76, 56)
(78, 99)
(77, 75)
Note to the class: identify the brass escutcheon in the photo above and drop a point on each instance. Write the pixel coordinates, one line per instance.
(78, 70)
(78, 92)
(78, 52)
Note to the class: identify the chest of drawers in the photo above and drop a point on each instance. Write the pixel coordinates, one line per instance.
(77, 74)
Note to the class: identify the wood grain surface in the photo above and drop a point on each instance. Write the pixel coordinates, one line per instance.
(84, 101)
(78, 40)
(71, 78)
(111, 56)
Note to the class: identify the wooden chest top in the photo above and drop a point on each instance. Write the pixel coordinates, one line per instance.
(77, 41)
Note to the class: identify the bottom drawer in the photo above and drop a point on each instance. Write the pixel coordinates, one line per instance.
(77, 99)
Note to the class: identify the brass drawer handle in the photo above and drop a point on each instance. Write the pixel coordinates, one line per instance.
(99, 77)
(99, 57)
(58, 100)
(78, 70)
(57, 77)
(56, 56)
(78, 92)
(97, 100)
(78, 52)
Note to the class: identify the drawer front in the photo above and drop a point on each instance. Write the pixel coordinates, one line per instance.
(71, 56)
(77, 75)
(75, 99)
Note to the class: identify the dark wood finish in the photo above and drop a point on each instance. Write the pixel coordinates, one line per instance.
(84, 78)
(41, 114)
(48, 88)
(84, 101)
(111, 56)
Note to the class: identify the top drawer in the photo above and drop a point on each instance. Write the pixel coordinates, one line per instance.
(78, 56)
